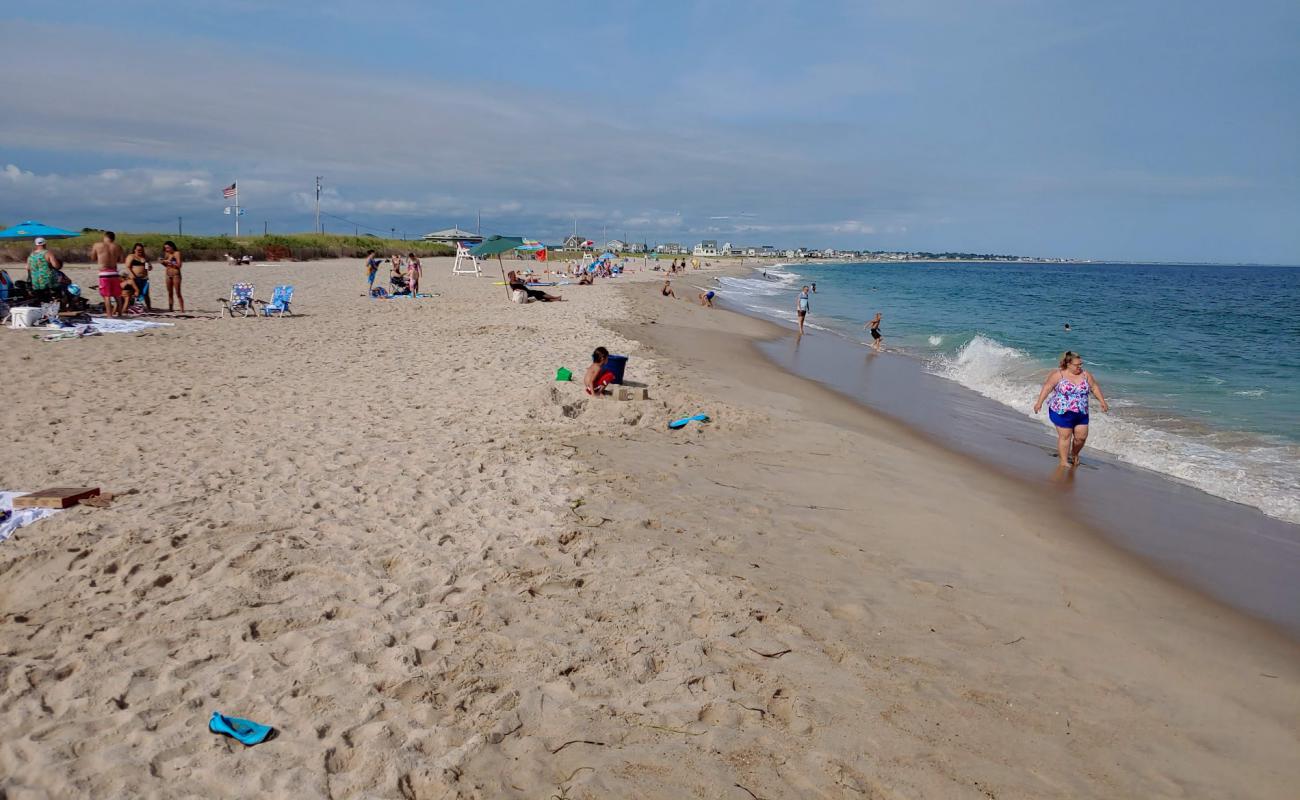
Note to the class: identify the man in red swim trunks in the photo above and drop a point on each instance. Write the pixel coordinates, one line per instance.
(108, 254)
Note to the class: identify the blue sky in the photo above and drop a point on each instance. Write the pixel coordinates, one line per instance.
(1149, 130)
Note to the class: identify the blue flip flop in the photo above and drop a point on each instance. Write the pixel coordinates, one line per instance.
(243, 731)
(681, 423)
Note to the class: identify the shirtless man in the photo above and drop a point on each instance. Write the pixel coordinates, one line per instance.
(108, 254)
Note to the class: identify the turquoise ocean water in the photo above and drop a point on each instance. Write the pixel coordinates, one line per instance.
(1201, 364)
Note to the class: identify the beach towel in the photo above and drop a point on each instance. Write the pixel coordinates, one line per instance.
(12, 519)
(107, 325)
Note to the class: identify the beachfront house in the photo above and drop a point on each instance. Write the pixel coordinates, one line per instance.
(576, 242)
(671, 249)
(616, 246)
(708, 247)
(452, 235)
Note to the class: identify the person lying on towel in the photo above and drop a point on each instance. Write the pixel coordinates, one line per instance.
(597, 377)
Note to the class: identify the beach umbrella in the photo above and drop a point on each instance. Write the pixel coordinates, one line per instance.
(32, 229)
(495, 246)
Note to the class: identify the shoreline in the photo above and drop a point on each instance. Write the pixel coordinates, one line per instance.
(1229, 549)
(440, 573)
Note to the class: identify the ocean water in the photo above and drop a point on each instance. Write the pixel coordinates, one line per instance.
(1200, 364)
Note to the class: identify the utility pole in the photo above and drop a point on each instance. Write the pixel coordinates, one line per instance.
(180, 226)
(264, 224)
(318, 228)
(478, 222)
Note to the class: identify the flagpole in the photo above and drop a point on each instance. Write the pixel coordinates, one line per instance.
(236, 209)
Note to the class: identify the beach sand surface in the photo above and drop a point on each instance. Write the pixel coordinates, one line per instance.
(383, 528)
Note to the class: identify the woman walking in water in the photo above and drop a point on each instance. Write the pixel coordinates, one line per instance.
(172, 260)
(1069, 386)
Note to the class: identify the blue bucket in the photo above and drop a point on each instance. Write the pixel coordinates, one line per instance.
(616, 365)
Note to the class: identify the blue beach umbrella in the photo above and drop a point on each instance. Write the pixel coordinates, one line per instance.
(31, 229)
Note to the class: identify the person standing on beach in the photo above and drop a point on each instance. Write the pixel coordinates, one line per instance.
(413, 270)
(1069, 386)
(372, 268)
(801, 307)
(107, 253)
(874, 325)
(42, 271)
(173, 261)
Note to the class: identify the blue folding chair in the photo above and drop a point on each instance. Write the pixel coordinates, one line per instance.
(281, 297)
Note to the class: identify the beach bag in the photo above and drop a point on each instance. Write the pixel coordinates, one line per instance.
(519, 296)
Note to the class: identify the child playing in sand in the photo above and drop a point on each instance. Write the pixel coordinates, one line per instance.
(706, 298)
(597, 377)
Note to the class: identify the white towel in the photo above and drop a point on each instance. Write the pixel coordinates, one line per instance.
(20, 517)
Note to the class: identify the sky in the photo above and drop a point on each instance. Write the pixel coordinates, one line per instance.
(1155, 130)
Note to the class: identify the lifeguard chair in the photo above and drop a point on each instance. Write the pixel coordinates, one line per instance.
(466, 264)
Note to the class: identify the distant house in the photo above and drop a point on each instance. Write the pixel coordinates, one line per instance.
(616, 246)
(671, 249)
(708, 247)
(636, 247)
(453, 235)
(576, 242)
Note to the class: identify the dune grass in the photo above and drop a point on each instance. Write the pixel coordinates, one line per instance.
(299, 246)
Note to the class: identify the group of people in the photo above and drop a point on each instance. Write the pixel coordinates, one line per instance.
(403, 277)
(120, 290)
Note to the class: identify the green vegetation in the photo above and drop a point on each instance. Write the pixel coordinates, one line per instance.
(292, 246)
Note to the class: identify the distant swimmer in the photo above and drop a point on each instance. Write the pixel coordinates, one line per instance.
(814, 287)
(874, 325)
(1069, 386)
(801, 307)
(1067, 326)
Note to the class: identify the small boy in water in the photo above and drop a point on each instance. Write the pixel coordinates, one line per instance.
(597, 377)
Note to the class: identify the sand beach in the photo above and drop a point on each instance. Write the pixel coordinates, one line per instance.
(383, 528)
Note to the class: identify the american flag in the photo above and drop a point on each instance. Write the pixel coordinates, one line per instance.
(229, 191)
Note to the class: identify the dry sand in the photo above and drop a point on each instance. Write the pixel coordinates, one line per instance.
(381, 527)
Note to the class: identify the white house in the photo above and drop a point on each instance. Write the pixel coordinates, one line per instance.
(708, 247)
(616, 245)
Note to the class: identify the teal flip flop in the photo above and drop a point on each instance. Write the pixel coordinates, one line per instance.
(682, 423)
(243, 731)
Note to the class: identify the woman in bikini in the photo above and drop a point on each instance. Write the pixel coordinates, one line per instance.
(137, 273)
(173, 261)
(1069, 386)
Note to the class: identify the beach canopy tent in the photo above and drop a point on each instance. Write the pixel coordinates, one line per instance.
(32, 229)
(495, 246)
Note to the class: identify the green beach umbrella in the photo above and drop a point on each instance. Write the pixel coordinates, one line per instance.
(495, 246)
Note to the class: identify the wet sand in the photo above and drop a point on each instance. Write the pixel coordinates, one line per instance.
(1231, 551)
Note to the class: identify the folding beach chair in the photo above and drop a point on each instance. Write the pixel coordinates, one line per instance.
(281, 297)
(240, 302)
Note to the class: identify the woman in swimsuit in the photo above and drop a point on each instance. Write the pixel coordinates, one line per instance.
(137, 271)
(874, 325)
(172, 260)
(517, 284)
(1069, 386)
(667, 291)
